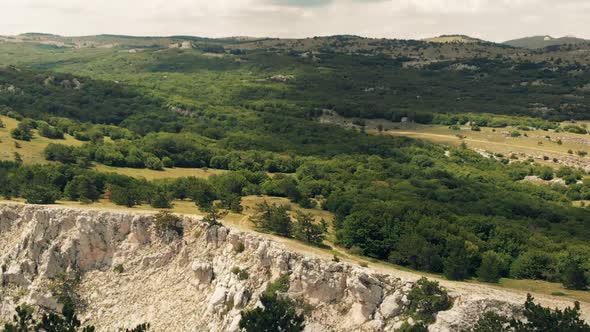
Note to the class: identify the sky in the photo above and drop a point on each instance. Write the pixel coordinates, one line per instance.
(494, 20)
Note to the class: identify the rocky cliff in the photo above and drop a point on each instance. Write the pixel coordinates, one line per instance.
(188, 283)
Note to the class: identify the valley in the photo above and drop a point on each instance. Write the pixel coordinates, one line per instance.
(341, 168)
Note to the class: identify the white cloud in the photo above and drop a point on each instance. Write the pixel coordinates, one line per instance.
(490, 19)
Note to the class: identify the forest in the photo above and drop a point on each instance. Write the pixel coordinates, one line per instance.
(409, 202)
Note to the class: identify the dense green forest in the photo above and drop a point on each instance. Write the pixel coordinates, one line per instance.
(409, 202)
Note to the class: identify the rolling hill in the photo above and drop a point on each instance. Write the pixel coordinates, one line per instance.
(537, 42)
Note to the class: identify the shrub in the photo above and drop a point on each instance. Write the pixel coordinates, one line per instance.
(536, 318)
(276, 314)
(139, 328)
(280, 285)
(119, 268)
(356, 250)
(243, 275)
(426, 299)
(239, 248)
(166, 222)
(406, 327)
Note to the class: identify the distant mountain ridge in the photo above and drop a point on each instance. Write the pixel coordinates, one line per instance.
(536, 42)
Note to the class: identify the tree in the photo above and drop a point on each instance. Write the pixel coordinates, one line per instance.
(272, 218)
(532, 265)
(492, 266)
(161, 198)
(48, 131)
(573, 275)
(22, 132)
(457, 263)
(232, 202)
(125, 195)
(214, 215)
(18, 158)
(307, 230)
(153, 162)
(40, 194)
(82, 188)
(276, 314)
(199, 191)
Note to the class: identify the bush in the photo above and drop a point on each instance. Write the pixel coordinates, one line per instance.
(139, 328)
(239, 248)
(243, 275)
(166, 222)
(536, 318)
(119, 268)
(406, 327)
(426, 299)
(281, 285)
(276, 314)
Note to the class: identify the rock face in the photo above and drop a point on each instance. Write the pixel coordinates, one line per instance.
(187, 284)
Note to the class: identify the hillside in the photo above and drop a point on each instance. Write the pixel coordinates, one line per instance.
(537, 42)
(243, 131)
(190, 279)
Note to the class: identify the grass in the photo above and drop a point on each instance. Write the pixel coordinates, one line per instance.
(167, 173)
(544, 287)
(31, 151)
(499, 141)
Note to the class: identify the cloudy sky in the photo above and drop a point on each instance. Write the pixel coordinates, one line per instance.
(495, 20)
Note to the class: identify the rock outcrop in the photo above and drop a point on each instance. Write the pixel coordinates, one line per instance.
(189, 283)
